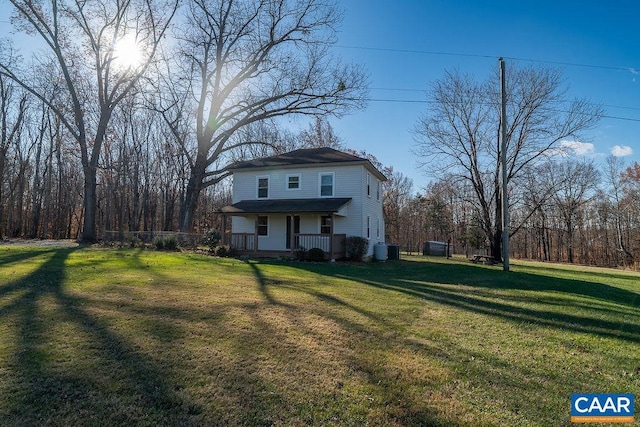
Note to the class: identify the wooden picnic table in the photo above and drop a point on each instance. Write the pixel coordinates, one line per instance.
(484, 259)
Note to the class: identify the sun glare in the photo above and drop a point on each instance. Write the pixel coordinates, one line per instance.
(127, 53)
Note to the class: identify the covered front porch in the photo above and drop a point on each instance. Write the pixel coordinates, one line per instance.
(333, 246)
(284, 227)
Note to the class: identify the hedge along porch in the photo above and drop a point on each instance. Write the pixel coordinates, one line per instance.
(281, 227)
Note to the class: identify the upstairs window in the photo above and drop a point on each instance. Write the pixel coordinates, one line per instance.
(368, 184)
(326, 184)
(378, 191)
(293, 182)
(263, 187)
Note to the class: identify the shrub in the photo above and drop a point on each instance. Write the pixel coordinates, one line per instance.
(134, 241)
(159, 243)
(315, 254)
(357, 247)
(211, 239)
(166, 243)
(170, 243)
(301, 254)
(222, 252)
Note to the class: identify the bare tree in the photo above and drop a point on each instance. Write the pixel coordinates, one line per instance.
(615, 180)
(320, 134)
(245, 61)
(631, 206)
(459, 134)
(268, 139)
(87, 41)
(579, 181)
(13, 106)
(396, 193)
(438, 211)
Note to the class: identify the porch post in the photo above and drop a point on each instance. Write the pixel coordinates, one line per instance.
(226, 240)
(292, 238)
(331, 258)
(255, 236)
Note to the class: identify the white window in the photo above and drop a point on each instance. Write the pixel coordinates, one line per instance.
(326, 184)
(293, 182)
(263, 187)
(325, 224)
(378, 190)
(262, 224)
(368, 227)
(378, 228)
(368, 184)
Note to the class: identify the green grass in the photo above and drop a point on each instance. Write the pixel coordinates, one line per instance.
(136, 337)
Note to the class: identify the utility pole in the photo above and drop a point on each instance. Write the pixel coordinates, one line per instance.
(503, 164)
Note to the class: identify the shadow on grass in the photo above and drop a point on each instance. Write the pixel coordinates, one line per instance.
(10, 256)
(574, 306)
(263, 284)
(462, 286)
(366, 330)
(113, 385)
(108, 379)
(258, 348)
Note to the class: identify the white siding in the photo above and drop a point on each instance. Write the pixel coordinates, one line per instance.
(372, 207)
(241, 224)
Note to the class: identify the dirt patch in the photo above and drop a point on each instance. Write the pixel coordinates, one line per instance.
(65, 243)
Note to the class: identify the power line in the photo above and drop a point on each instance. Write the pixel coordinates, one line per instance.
(574, 64)
(398, 90)
(413, 101)
(629, 119)
(426, 90)
(424, 52)
(624, 108)
(390, 89)
(484, 56)
(403, 101)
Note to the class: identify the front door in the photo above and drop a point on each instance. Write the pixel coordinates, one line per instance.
(296, 230)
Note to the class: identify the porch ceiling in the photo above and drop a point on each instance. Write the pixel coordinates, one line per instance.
(286, 206)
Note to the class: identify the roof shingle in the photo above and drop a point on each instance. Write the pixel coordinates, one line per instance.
(325, 205)
(301, 157)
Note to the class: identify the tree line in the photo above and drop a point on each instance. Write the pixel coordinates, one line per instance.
(187, 86)
(591, 217)
(142, 175)
(562, 207)
(128, 114)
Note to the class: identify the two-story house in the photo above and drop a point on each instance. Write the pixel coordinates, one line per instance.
(304, 199)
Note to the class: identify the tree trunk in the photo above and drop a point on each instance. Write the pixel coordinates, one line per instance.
(90, 205)
(2, 199)
(496, 245)
(36, 197)
(570, 243)
(496, 238)
(194, 186)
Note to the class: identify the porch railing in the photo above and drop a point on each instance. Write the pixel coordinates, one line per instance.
(242, 241)
(246, 242)
(322, 241)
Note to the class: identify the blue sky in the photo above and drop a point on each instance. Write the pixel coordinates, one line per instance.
(378, 34)
(375, 33)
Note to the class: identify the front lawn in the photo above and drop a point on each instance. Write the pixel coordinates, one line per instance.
(137, 337)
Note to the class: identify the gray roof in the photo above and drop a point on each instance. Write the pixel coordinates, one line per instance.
(306, 157)
(325, 205)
